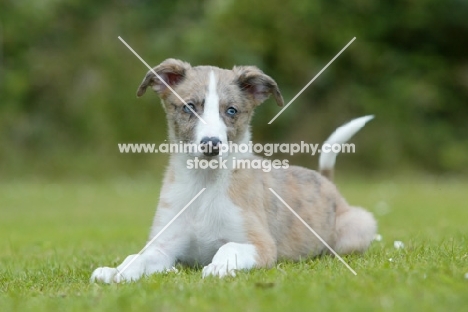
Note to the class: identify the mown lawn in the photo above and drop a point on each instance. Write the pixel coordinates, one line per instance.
(52, 236)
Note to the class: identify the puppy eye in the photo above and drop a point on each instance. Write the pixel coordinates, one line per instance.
(231, 111)
(187, 109)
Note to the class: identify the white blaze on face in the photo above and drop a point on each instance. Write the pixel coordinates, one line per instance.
(215, 126)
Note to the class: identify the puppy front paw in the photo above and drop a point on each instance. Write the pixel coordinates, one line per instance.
(229, 258)
(219, 269)
(132, 269)
(103, 275)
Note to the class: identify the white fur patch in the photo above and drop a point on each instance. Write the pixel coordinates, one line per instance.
(133, 268)
(340, 136)
(230, 258)
(211, 221)
(215, 126)
(103, 275)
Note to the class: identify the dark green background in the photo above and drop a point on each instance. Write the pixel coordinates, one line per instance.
(67, 84)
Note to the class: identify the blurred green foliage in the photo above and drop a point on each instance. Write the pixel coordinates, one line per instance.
(67, 84)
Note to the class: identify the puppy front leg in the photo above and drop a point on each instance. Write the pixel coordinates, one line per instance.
(152, 260)
(160, 253)
(235, 256)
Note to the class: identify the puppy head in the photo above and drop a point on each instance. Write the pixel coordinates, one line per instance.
(223, 99)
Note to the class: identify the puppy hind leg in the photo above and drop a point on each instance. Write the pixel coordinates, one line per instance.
(355, 230)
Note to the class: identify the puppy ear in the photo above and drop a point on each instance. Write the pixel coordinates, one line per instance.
(257, 85)
(172, 71)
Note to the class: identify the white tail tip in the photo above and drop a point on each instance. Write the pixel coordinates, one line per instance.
(341, 136)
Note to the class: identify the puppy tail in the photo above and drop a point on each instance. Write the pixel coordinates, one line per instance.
(340, 136)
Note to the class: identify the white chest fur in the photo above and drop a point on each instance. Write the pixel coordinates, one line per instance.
(209, 222)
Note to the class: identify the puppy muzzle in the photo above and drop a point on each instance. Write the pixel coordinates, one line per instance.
(210, 146)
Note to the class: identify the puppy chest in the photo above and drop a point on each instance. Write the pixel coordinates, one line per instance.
(208, 230)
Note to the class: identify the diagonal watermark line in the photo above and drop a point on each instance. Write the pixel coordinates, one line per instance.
(160, 232)
(313, 79)
(312, 230)
(159, 77)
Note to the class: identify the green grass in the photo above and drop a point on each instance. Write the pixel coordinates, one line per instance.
(52, 236)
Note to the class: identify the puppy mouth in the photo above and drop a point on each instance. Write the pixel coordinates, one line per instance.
(211, 154)
(210, 150)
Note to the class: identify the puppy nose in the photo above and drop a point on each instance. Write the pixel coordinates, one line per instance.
(210, 146)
